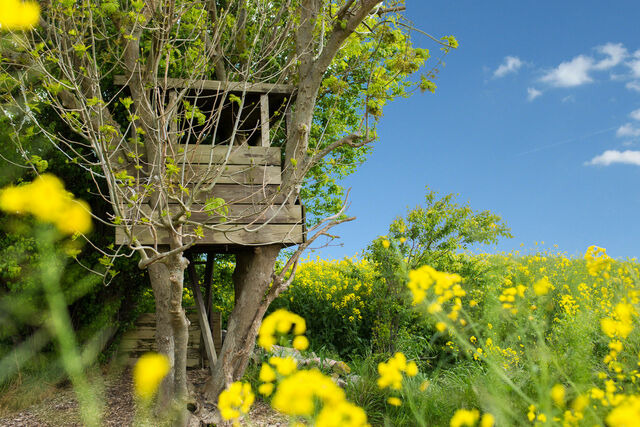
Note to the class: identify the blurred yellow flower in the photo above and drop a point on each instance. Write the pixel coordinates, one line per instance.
(235, 401)
(557, 394)
(386, 244)
(46, 199)
(280, 321)
(542, 286)
(300, 343)
(487, 420)
(18, 15)
(395, 401)
(148, 373)
(464, 417)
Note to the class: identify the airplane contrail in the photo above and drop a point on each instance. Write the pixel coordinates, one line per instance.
(567, 141)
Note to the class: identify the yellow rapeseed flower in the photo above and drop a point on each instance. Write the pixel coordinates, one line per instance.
(542, 286)
(395, 401)
(235, 401)
(464, 417)
(46, 199)
(301, 342)
(18, 15)
(487, 420)
(557, 394)
(279, 322)
(148, 373)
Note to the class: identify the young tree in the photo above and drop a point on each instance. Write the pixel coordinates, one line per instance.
(345, 60)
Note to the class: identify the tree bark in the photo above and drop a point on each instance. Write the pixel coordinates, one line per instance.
(159, 278)
(172, 330)
(251, 277)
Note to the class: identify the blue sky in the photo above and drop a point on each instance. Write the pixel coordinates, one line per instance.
(536, 118)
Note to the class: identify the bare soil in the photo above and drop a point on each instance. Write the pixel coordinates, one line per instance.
(61, 408)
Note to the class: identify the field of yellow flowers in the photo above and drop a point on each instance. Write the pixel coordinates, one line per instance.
(537, 339)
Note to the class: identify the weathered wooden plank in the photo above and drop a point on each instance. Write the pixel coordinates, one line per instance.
(215, 85)
(235, 155)
(225, 235)
(203, 319)
(264, 120)
(233, 174)
(241, 214)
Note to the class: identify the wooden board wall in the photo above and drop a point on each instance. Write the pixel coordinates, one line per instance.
(141, 339)
(249, 185)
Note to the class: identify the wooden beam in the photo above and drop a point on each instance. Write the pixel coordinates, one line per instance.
(215, 85)
(231, 235)
(264, 120)
(238, 214)
(234, 174)
(216, 154)
(203, 319)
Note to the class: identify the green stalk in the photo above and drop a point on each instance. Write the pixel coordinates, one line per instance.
(61, 328)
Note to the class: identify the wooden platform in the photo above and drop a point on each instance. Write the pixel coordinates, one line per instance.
(142, 339)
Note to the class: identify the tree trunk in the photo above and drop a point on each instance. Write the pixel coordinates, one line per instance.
(172, 330)
(177, 264)
(159, 278)
(251, 278)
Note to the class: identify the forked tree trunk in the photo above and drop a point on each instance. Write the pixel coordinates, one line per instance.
(251, 279)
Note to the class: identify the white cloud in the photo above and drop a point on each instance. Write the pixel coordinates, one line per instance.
(635, 85)
(533, 93)
(627, 130)
(610, 157)
(615, 52)
(572, 73)
(635, 114)
(569, 98)
(511, 64)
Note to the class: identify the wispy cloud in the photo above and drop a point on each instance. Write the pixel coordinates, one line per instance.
(610, 157)
(627, 130)
(635, 114)
(533, 93)
(511, 64)
(571, 73)
(633, 86)
(615, 53)
(634, 64)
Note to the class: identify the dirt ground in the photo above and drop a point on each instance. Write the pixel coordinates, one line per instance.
(62, 408)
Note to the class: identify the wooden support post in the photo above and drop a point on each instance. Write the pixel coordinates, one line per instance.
(203, 319)
(208, 275)
(264, 120)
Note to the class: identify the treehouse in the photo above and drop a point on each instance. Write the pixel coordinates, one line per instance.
(231, 145)
(226, 168)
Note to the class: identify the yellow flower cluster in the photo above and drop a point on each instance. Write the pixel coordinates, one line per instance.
(332, 283)
(18, 15)
(235, 401)
(626, 414)
(280, 322)
(148, 373)
(623, 325)
(304, 392)
(469, 417)
(508, 297)
(445, 286)
(598, 261)
(284, 366)
(391, 371)
(47, 200)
